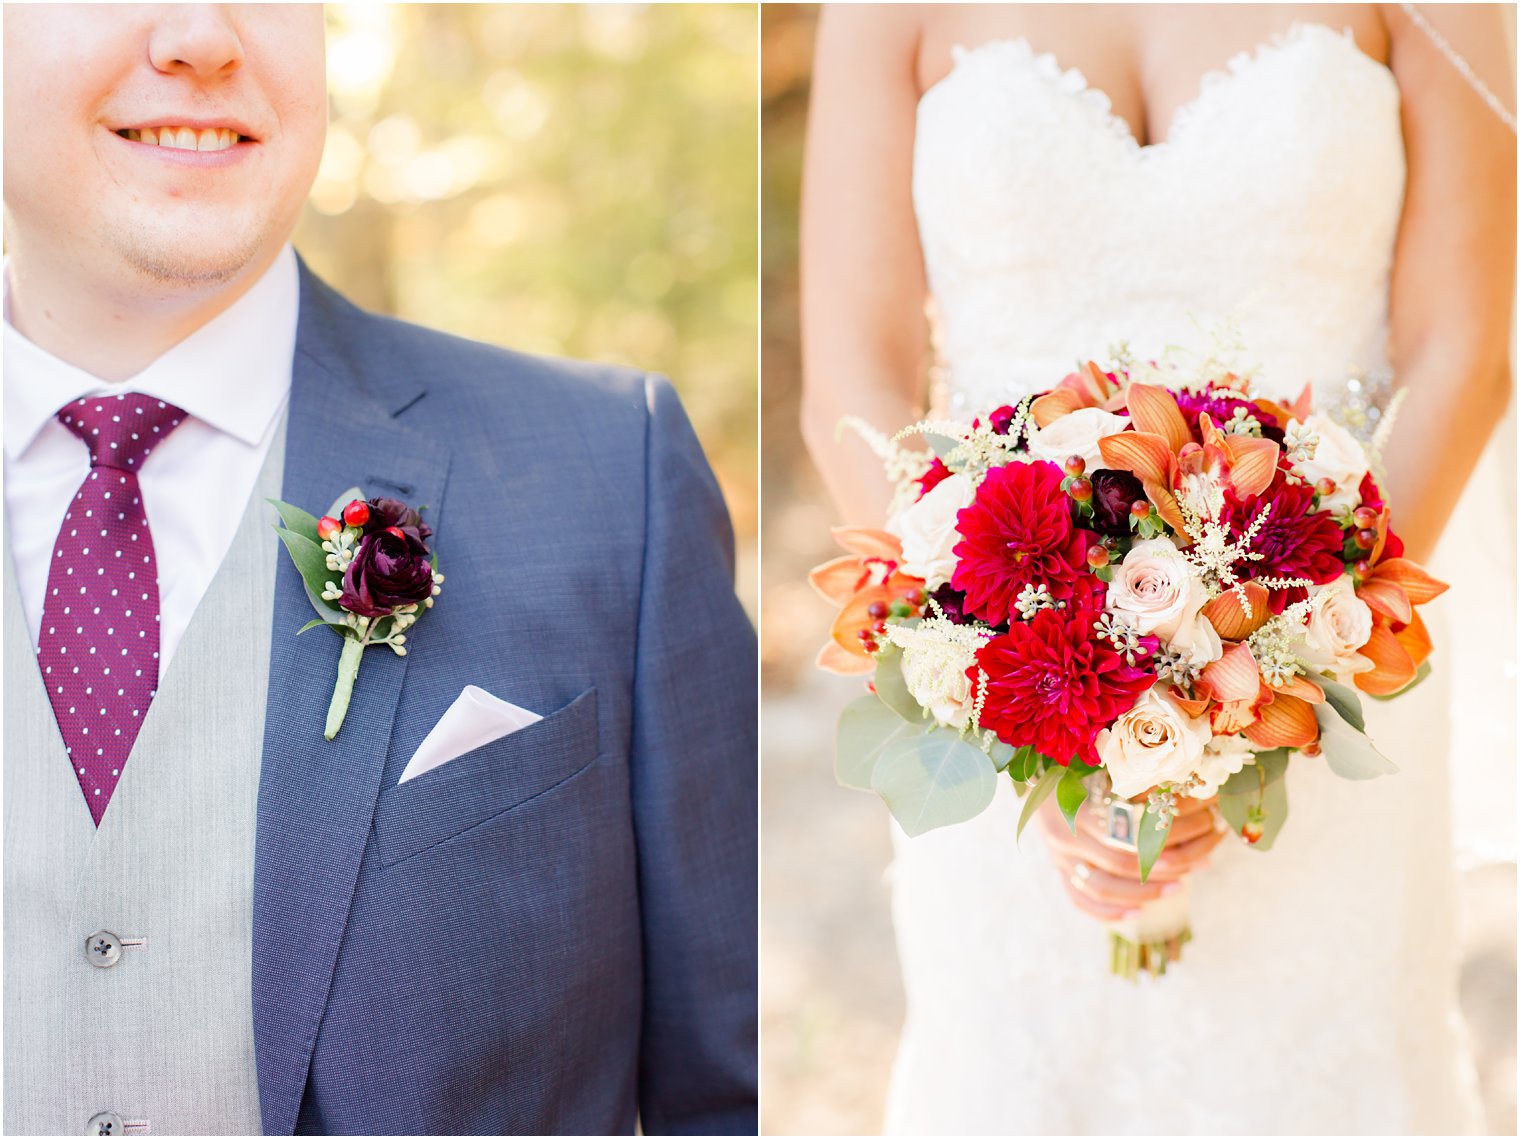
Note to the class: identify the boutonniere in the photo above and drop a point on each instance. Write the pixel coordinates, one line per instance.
(369, 574)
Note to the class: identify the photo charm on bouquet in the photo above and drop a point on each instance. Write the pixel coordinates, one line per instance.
(1143, 586)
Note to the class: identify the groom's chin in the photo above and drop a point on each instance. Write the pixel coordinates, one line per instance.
(191, 257)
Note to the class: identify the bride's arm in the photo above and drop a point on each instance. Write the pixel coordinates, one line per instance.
(863, 328)
(1453, 279)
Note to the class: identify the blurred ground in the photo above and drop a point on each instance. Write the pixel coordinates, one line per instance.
(831, 1002)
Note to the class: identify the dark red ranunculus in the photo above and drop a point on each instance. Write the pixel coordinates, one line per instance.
(1052, 686)
(1295, 540)
(387, 572)
(387, 512)
(1114, 493)
(1018, 531)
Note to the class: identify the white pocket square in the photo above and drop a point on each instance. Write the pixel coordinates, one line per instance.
(475, 719)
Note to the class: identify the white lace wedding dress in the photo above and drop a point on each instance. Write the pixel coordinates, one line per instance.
(1319, 992)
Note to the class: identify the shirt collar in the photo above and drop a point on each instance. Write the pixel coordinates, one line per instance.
(232, 373)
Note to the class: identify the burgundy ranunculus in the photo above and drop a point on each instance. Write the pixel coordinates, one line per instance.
(1295, 540)
(387, 512)
(1016, 532)
(387, 571)
(1114, 493)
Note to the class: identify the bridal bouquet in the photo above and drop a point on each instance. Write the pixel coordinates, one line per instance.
(1140, 585)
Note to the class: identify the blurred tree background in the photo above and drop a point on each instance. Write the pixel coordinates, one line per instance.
(572, 180)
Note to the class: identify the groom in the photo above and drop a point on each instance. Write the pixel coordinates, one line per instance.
(217, 921)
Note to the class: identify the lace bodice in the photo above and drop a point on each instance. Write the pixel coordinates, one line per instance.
(1319, 994)
(1273, 203)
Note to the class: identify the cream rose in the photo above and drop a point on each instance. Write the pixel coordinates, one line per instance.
(1155, 590)
(1222, 757)
(1339, 456)
(1338, 627)
(1154, 742)
(1076, 433)
(936, 678)
(927, 530)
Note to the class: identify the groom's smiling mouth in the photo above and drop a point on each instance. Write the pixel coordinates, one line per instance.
(185, 138)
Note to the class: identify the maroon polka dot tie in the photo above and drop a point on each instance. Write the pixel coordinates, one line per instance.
(98, 649)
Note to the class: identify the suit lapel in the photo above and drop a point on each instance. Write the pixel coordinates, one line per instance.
(317, 798)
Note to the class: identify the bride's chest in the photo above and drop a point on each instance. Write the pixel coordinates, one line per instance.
(1289, 145)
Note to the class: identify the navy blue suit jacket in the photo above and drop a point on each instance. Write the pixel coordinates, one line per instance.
(555, 932)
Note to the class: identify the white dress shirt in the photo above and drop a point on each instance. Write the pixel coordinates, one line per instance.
(233, 377)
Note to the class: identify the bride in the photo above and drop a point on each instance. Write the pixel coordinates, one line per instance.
(1337, 184)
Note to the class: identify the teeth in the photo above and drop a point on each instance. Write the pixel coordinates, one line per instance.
(184, 138)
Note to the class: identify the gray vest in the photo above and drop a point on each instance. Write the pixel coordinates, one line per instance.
(128, 975)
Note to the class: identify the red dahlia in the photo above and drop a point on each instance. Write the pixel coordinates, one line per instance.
(1295, 540)
(1017, 532)
(1052, 686)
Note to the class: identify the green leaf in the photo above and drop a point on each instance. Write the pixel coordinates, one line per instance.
(311, 563)
(1259, 786)
(312, 624)
(1037, 795)
(1071, 793)
(1002, 754)
(1344, 700)
(1150, 841)
(1419, 676)
(893, 689)
(296, 519)
(1024, 764)
(1348, 752)
(336, 509)
(933, 780)
(867, 727)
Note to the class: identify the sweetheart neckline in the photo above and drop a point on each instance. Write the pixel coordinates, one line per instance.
(1071, 81)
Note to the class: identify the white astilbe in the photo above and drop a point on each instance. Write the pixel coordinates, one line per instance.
(1272, 645)
(944, 649)
(978, 449)
(1215, 555)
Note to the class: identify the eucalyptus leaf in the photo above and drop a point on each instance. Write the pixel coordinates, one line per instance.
(933, 780)
(1419, 676)
(941, 445)
(336, 509)
(1071, 793)
(1037, 795)
(866, 728)
(1001, 754)
(1344, 700)
(296, 519)
(1150, 841)
(1258, 786)
(1348, 752)
(893, 689)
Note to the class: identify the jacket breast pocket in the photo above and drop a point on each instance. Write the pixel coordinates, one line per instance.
(480, 784)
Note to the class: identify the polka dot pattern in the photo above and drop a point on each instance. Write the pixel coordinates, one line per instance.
(98, 650)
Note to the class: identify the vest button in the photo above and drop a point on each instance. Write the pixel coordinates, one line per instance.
(106, 1123)
(103, 949)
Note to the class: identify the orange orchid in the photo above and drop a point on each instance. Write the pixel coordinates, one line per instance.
(1090, 387)
(865, 577)
(1236, 698)
(1391, 588)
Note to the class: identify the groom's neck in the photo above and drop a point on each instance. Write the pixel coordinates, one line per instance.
(112, 329)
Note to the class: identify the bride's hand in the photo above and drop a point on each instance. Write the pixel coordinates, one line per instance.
(1109, 886)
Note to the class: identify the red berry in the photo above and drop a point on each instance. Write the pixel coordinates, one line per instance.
(1080, 489)
(1140, 508)
(356, 513)
(1075, 466)
(1325, 487)
(1311, 749)
(871, 646)
(877, 609)
(1097, 557)
(914, 597)
(1362, 568)
(1251, 832)
(1366, 538)
(864, 634)
(395, 532)
(1366, 517)
(327, 526)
